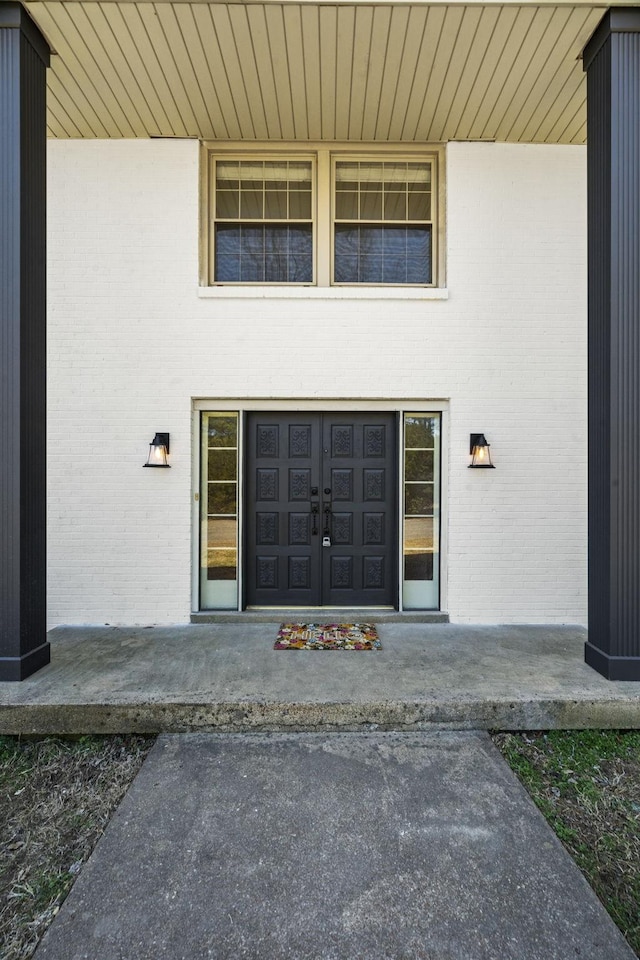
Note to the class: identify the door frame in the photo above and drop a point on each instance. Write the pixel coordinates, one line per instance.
(243, 405)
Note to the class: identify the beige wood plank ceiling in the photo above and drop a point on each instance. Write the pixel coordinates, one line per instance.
(317, 71)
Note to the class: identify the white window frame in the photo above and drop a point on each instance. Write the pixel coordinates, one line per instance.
(323, 157)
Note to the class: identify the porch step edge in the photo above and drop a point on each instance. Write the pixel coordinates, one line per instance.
(321, 616)
(429, 714)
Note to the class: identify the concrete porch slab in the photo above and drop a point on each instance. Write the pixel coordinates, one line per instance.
(227, 677)
(379, 846)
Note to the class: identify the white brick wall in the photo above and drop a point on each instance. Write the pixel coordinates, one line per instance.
(130, 345)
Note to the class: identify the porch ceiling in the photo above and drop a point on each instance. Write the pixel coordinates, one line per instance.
(317, 71)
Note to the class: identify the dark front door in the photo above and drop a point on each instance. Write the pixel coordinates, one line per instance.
(321, 509)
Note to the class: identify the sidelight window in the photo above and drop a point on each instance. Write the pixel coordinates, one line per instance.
(421, 550)
(219, 511)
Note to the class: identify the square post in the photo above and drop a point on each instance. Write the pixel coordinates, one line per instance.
(24, 57)
(612, 63)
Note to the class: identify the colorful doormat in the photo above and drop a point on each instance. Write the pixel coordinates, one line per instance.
(327, 636)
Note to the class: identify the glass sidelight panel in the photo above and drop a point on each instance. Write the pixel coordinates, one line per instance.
(219, 512)
(421, 529)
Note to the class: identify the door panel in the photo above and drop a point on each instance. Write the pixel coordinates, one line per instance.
(283, 477)
(314, 478)
(359, 465)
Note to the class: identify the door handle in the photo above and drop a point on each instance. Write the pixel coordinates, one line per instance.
(326, 533)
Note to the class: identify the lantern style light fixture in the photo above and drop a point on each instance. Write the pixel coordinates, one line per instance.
(479, 450)
(158, 450)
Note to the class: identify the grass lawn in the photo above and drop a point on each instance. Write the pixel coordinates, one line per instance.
(587, 785)
(56, 797)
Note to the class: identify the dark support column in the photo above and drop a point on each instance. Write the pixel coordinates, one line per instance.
(24, 57)
(612, 62)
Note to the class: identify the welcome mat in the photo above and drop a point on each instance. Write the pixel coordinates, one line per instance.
(327, 636)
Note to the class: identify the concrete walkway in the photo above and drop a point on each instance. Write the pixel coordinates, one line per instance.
(330, 847)
(227, 677)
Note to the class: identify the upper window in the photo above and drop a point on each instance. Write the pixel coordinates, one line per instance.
(382, 222)
(263, 222)
(325, 219)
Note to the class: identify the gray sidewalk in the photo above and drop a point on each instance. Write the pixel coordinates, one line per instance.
(227, 677)
(387, 846)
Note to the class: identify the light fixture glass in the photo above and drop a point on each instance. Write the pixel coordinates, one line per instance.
(158, 450)
(479, 450)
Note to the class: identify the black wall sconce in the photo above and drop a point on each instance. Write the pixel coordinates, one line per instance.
(158, 450)
(479, 450)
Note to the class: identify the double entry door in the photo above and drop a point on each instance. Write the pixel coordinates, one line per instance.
(321, 517)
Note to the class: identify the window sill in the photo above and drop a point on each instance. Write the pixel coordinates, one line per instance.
(275, 292)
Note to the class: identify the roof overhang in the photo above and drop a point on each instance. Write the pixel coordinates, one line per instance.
(300, 70)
